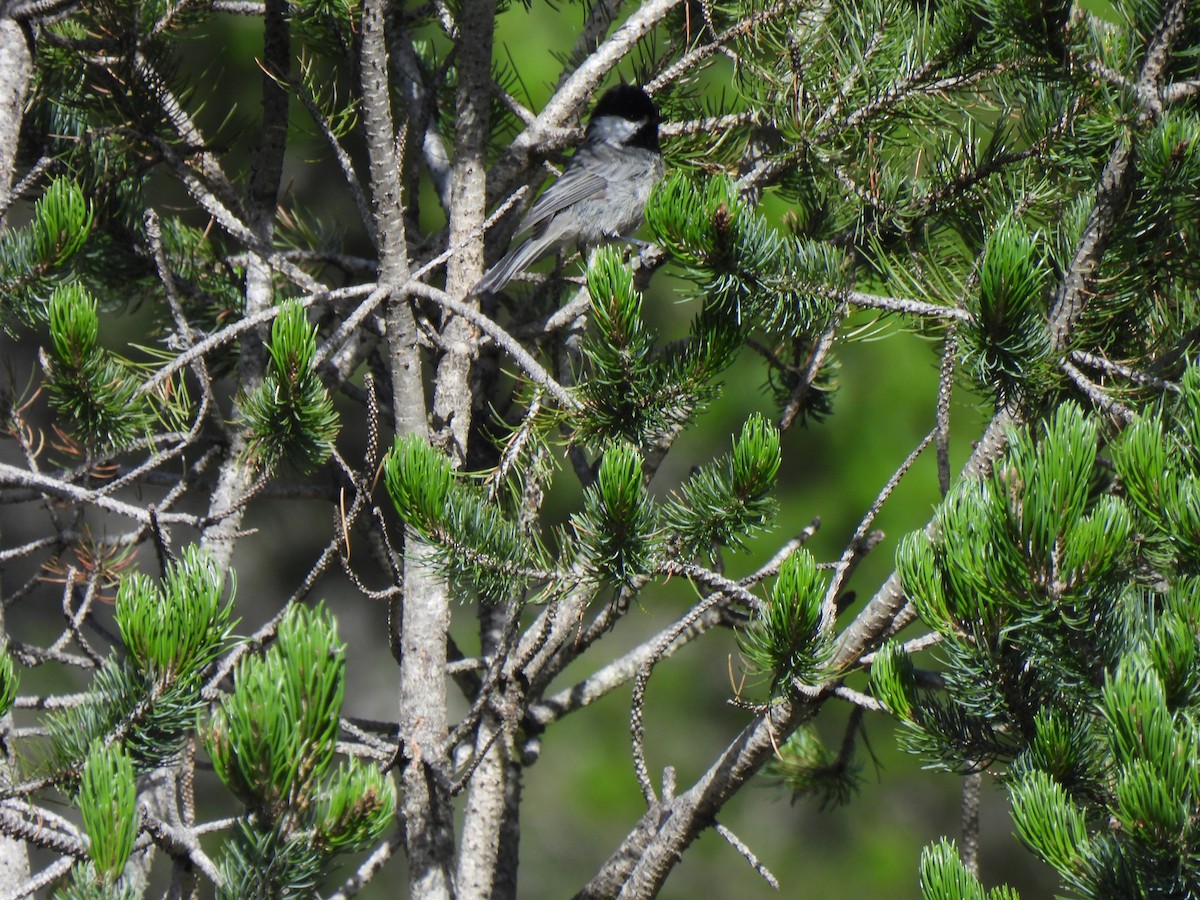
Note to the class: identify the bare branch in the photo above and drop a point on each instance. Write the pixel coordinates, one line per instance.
(1096, 394)
(44, 484)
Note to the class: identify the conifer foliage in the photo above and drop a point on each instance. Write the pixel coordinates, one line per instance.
(239, 283)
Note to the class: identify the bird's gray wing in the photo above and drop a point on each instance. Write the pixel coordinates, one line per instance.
(586, 178)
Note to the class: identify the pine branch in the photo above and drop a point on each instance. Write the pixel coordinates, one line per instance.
(14, 83)
(181, 843)
(1114, 185)
(301, 91)
(531, 367)
(1096, 394)
(187, 130)
(572, 96)
(11, 475)
(453, 405)
(429, 832)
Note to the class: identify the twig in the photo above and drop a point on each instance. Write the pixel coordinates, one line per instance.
(637, 702)
(772, 566)
(44, 878)
(854, 549)
(1097, 395)
(969, 850)
(369, 868)
(740, 846)
(233, 330)
(182, 843)
(26, 184)
(344, 162)
(942, 415)
(621, 670)
(916, 645)
(1178, 91)
(907, 306)
(859, 699)
(45, 484)
(1114, 368)
(1114, 186)
(530, 366)
(694, 57)
(816, 359)
(713, 580)
(41, 828)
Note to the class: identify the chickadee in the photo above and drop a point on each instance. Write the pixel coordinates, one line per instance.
(603, 191)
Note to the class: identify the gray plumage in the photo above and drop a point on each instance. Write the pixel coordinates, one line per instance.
(601, 194)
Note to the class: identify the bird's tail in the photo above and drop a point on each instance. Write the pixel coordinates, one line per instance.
(515, 261)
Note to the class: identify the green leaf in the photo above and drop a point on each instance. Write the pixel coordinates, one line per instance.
(1141, 459)
(631, 392)
(691, 218)
(1065, 747)
(751, 274)
(62, 221)
(261, 863)
(894, 683)
(1140, 725)
(172, 632)
(1094, 544)
(419, 480)
(808, 769)
(356, 809)
(1152, 810)
(30, 257)
(920, 575)
(1049, 481)
(9, 681)
(1006, 347)
(95, 391)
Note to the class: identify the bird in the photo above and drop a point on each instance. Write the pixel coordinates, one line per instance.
(601, 194)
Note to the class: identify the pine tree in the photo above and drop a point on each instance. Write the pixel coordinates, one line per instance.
(245, 306)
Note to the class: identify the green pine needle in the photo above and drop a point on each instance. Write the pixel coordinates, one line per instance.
(290, 415)
(808, 769)
(726, 502)
(96, 392)
(785, 639)
(108, 805)
(272, 740)
(476, 544)
(944, 877)
(1006, 348)
(617, 528)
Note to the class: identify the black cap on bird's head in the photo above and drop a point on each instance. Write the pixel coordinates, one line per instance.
(630, 102)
